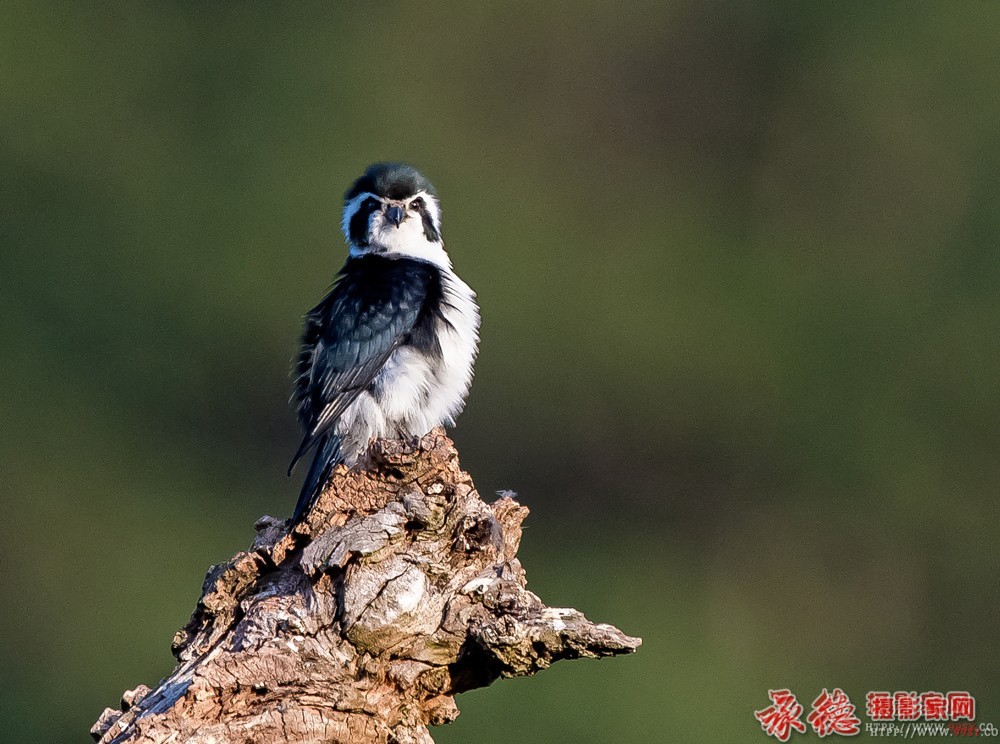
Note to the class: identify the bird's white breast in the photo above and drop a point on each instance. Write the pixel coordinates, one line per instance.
(415, 391)
(458, 334)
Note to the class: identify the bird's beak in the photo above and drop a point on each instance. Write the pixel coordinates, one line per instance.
(395, 215)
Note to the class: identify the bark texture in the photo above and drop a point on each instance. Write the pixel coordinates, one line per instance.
(400, 589)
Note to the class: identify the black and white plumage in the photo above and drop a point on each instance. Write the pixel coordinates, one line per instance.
(389, 351)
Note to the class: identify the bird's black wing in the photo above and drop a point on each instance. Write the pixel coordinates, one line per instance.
(348, 337)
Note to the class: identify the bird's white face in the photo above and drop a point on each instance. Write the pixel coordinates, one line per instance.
(405, 228)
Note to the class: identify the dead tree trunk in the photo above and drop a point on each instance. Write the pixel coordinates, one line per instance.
(401, 589)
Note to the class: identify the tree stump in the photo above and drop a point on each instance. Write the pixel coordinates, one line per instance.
(399, 589)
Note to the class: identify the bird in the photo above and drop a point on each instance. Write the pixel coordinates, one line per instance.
(390, 351)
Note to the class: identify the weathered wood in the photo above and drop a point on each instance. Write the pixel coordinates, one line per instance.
(400, 589)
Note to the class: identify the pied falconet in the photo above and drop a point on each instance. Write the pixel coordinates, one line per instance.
(389, 351)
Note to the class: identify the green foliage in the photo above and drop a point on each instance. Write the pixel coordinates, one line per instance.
(738, 273)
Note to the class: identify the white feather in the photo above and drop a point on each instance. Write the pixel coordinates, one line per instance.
(350, 209)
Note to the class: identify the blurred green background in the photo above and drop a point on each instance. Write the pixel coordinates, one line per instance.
(739, 277)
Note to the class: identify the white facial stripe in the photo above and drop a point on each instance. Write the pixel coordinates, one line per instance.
(433, 208)
(350, 209)
(406, 240)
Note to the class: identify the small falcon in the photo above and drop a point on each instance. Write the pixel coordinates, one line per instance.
(389, 351)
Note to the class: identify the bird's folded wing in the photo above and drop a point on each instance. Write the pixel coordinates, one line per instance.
(348, 338)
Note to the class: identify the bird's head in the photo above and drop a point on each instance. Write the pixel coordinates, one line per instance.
(392, 210)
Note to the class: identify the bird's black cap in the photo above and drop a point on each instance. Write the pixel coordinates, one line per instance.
(390, 181)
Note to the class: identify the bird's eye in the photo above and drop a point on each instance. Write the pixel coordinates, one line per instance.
(416, 204)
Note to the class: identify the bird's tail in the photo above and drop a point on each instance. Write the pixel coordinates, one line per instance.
(326, 457)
